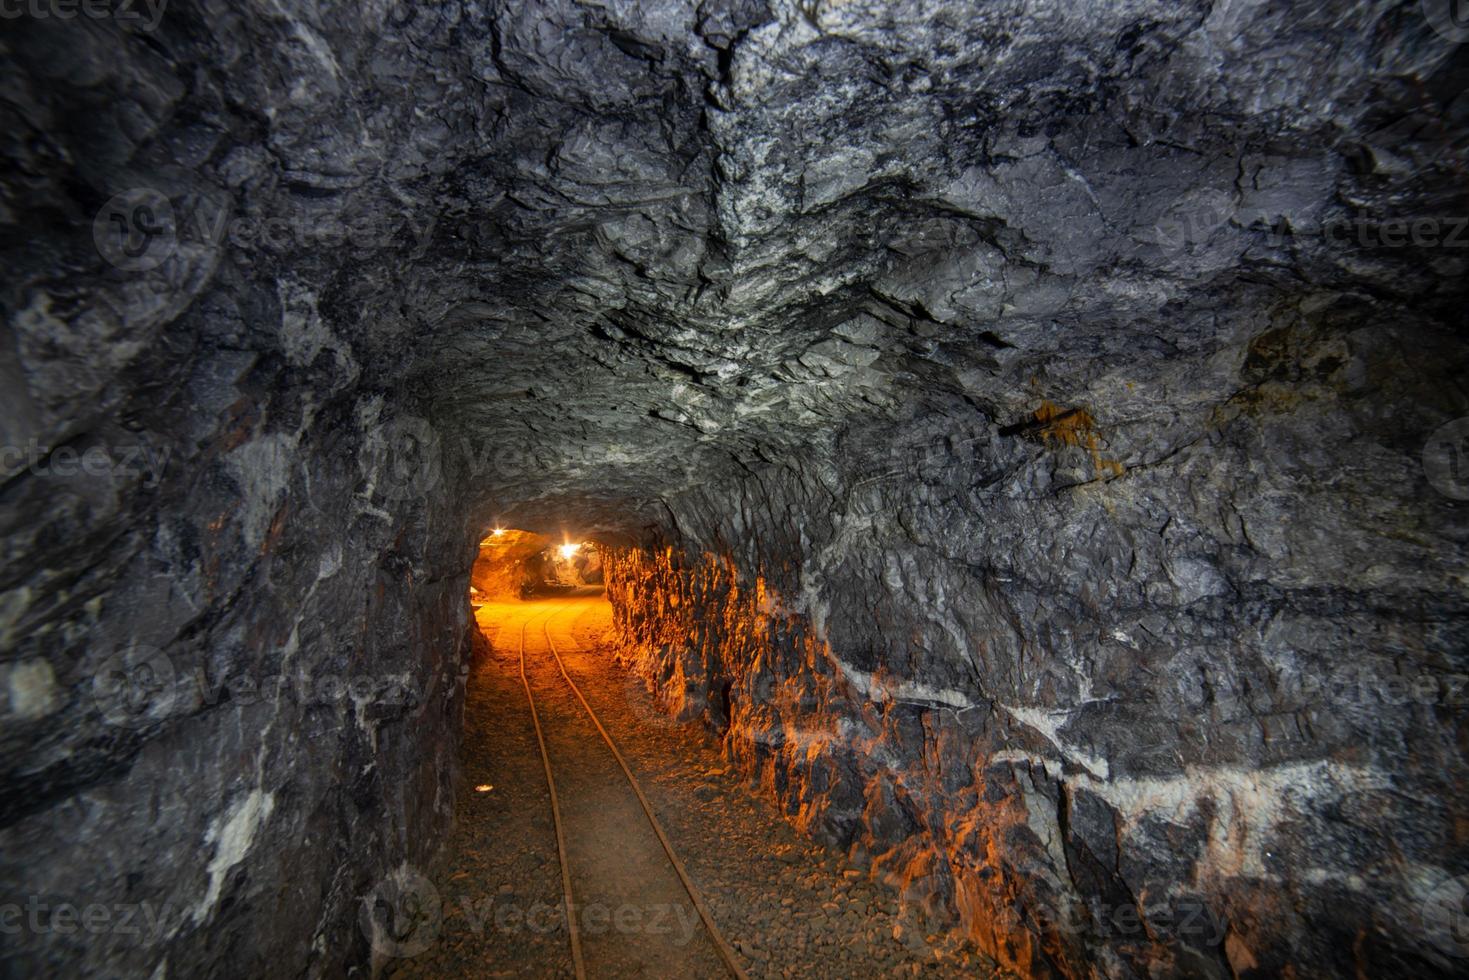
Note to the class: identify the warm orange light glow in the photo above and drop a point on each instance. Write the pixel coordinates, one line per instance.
(497, 531)
(483, 788)
(567, 550)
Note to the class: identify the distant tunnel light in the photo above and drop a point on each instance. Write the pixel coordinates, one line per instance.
(498, 531)
(567, 550)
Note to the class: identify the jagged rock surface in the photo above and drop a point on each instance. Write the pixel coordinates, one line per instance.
(500, 569)
(766, 282)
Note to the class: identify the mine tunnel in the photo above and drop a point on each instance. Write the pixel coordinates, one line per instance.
(757, 488)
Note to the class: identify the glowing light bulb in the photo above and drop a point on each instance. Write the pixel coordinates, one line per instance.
(567, 550)
(498, 531)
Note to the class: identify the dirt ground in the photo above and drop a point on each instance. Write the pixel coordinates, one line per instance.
(787, 906)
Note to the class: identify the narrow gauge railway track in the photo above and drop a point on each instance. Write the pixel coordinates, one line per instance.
(570, 907)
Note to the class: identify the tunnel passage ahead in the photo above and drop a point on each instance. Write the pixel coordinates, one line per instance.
(515, 564)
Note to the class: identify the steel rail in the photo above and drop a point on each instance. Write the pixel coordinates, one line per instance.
(720, 945)
(571, 928)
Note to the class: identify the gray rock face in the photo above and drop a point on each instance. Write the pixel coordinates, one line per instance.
(1058, 391)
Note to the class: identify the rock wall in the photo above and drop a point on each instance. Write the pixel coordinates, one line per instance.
(1196, 710)
(233, 625)
(504, 567)
(233, 697)
(581, 568)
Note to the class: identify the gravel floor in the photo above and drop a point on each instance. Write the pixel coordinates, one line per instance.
(500, 883)
(787, 905)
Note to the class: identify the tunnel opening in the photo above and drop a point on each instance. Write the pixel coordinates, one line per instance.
(512, 564)
(581, 673)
